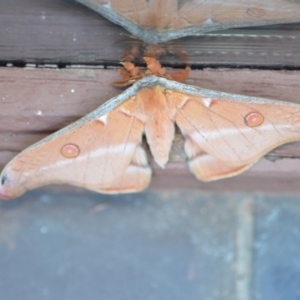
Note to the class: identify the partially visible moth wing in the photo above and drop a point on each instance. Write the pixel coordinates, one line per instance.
(100, 152)
(206, 167)
(156, 21)
(226, 134)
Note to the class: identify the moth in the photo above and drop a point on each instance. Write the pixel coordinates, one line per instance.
(225, 134)
(157, 21)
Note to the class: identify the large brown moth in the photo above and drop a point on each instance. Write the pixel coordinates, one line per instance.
(156, 21)
(225, 134)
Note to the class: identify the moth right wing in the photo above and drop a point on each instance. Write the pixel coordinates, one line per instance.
(207, 167)
(226, 134)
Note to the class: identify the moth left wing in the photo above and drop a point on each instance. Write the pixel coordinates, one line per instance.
(98, 152)
(226, 134)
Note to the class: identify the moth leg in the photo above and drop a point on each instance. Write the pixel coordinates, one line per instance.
(136, 177)
(131, 69)
(205, 167)
(154, 66)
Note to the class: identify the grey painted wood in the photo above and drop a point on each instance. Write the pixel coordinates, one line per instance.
(151, 245)
(61, 31)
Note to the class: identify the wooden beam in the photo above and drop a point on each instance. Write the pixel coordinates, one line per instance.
(66, 32)
(36, 102)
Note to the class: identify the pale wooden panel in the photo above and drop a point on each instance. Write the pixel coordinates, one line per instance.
(65, 32)
(280, 176)
(36, 102)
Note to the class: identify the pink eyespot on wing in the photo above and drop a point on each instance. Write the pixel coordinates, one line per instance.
(256, 12)
(70, 151)
(254, 119)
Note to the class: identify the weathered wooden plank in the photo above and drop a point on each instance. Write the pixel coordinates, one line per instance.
(18, 141)
(266, 176)
(36, 102)
(39, 100)
(59, 31)
(55, 31)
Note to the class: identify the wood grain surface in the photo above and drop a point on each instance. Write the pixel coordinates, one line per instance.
(35, 102)
(66, 32)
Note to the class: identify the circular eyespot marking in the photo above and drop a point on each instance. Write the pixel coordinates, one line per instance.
(256, 12)
(69, 151)
(254, 119)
